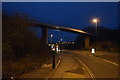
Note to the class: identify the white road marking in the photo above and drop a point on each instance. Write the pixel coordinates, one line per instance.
(90, 73)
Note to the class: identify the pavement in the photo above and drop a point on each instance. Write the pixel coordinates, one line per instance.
(77, 65)
(69, 68)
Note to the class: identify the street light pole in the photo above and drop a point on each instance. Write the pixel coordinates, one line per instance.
(53, 55)
(95, 20)
(51, 37)
(96, 25)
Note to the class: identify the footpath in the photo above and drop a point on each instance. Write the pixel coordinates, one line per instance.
(67, 67)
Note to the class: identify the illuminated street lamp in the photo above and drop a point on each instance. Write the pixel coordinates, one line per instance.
(95, 20)
(61, 40)
(51, 37)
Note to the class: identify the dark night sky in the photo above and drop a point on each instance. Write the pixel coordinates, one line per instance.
(78, 14)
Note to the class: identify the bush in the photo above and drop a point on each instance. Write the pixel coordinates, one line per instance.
(22, 50)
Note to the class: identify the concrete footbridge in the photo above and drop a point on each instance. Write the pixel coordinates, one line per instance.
(46, 26)
(55, 27)
(23, 19)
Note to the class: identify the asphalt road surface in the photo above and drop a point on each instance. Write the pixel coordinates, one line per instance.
(98, 67)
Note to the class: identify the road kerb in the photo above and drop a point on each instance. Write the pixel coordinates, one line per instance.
(47, 77)
(58, 62)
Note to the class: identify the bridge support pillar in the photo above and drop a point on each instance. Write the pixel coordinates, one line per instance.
(45, 35)
(87, 42)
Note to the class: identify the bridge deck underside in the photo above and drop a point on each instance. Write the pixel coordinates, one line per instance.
(49, 26)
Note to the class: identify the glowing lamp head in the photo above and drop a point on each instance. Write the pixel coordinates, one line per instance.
(51, 35)
(95, 20)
